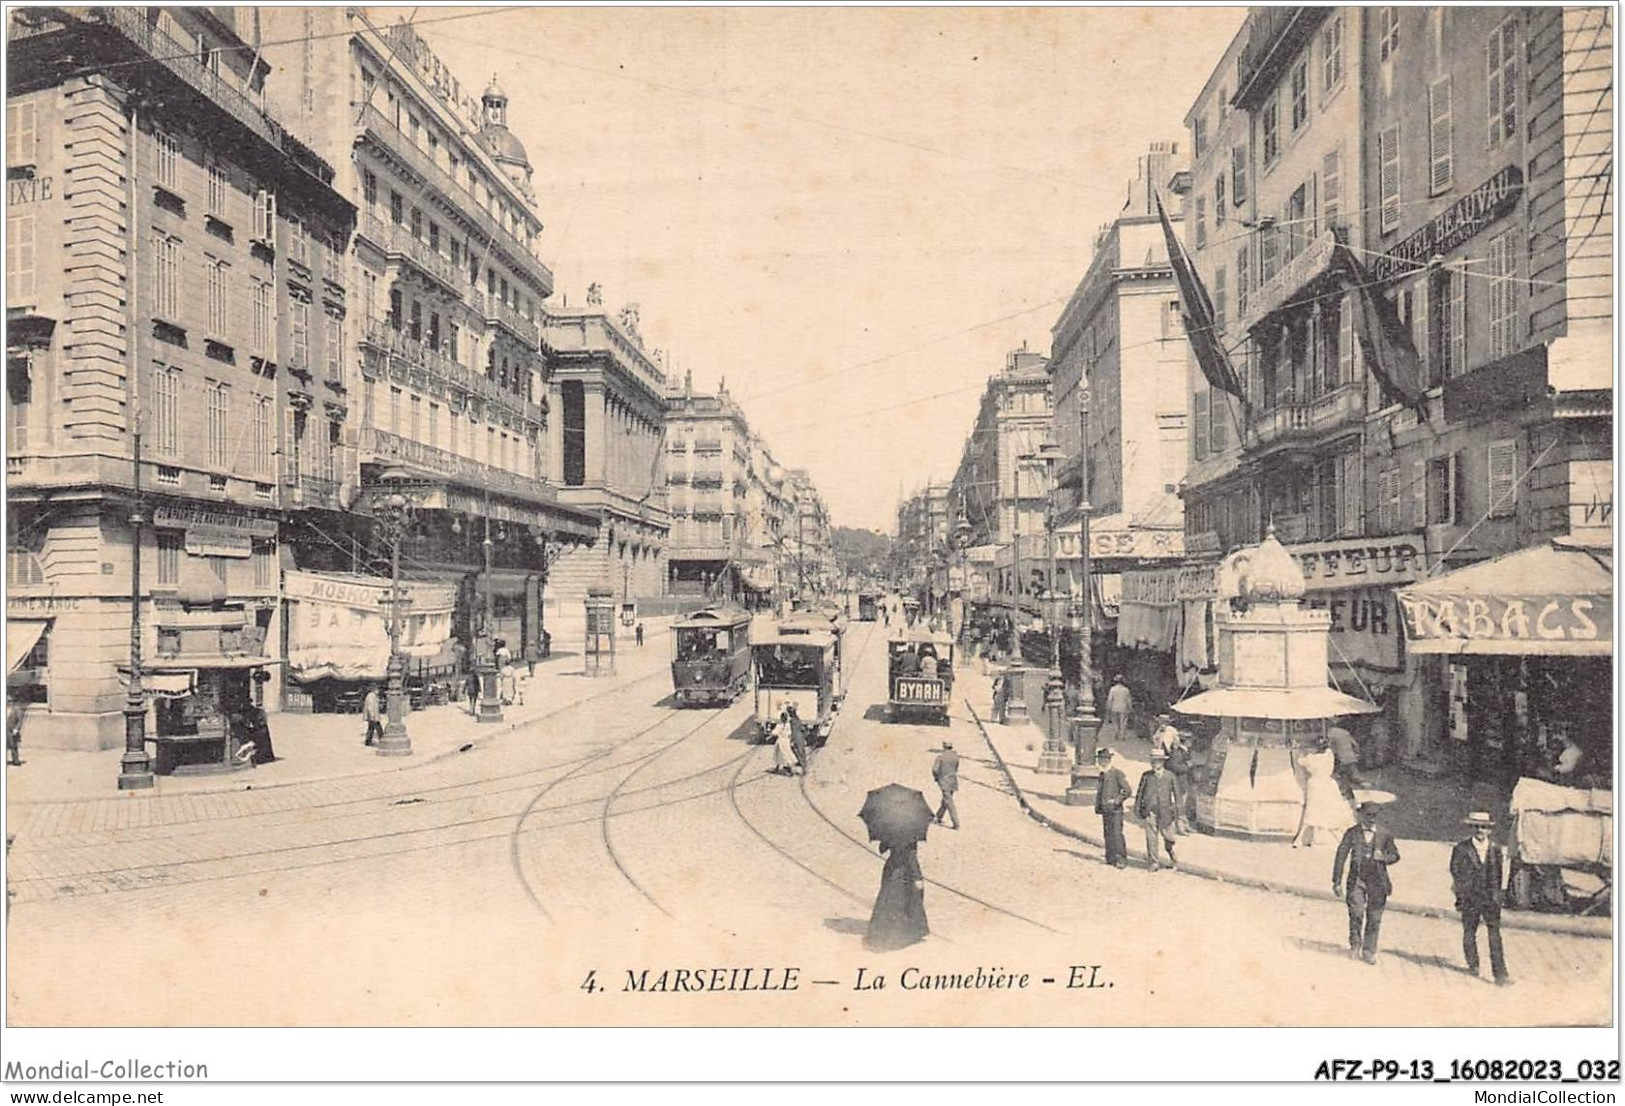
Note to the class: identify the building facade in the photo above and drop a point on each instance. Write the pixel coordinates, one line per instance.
(176, 302)
(1460, 157)
(444, 374)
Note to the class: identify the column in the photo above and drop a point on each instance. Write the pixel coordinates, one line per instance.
(596, 419)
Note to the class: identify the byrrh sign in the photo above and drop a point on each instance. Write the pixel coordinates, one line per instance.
(1453, 226)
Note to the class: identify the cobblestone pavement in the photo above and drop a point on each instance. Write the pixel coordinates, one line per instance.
(535, 880)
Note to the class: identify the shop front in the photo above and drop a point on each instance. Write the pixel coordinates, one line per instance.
(1526, 641)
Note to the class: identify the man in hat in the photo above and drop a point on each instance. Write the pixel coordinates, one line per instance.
(1165, 736)
(1156, 805)
(946, 772)
(1109, 799)
(1119, 703)
(1367, 849)
(1345, 759)
(1477, 873)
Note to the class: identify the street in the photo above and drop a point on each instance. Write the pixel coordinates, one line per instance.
(564, 874)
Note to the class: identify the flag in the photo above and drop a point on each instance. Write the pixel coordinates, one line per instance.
(1199, 319)
(1390, 353)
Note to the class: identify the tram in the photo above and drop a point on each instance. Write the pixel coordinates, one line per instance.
(795, 666)
(711, 655)
(868, 607)
(821, 620)
(919, 673)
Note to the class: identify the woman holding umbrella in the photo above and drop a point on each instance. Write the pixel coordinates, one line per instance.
(897, 817)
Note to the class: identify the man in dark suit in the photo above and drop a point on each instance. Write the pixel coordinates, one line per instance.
(946, 772)
(1367, 849)
(1109, 799)
(1477, 873)
(1158, 807)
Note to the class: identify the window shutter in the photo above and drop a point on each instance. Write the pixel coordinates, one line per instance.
(1503, 467)
(1388, 176)
(1439, 136)
(1353, 496)
(1457, 360)
(1458, 488)
(1238, 175)
(1200, 437)
(1331, 187)
(1418, 495)
(1419, 324)
(1219, 422)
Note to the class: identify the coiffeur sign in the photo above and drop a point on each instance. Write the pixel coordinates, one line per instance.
(1349, 580)
(338, 626)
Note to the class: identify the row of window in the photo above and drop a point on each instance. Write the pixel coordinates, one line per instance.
(439, 426)
(171, 549)
(241, 443)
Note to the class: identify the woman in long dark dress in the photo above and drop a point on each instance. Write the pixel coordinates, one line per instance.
(898, 919)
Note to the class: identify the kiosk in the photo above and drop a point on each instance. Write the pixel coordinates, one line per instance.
(599, 649)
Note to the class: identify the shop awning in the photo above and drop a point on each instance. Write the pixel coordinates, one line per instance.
(1274, 702)
(21, 636)
(163, 683)
(1554, 599)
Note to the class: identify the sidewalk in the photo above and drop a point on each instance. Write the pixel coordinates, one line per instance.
(313, 747)
(1425, 830)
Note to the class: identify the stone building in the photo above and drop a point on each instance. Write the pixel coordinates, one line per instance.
(175, 278)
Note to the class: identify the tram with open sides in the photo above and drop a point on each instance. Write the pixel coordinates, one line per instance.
(868, 607)
(919, 673)
(711, 655)
(795, 665)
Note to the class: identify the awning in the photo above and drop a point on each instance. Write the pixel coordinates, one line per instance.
(166, 683)
(1274, 702)
(21, 636)
(1554, 599)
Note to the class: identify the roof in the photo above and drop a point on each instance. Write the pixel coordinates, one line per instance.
(1274, 702)
(712, 617)
(822, 639)
(504, 144)
(915, 635)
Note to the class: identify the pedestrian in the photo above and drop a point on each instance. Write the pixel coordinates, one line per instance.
(1001, 697)
(1154, 806)
(509, 684)
(14, 731)
(1325, 811)
(1112, 793)
(1346, 760)
(1368, 849)
(1165, 736)
(1119, 705)
(946, 772)
(1477, 875)
(784, 752)
(371, 715)
(798, 736)
(898, 919)
(472, 686)
(638, 635)
(1179, 765)
(504, 654)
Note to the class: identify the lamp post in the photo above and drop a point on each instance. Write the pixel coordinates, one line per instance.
(1054, 759)
(1085, 722)
(490, 697)
(135, 769)
(395, 742)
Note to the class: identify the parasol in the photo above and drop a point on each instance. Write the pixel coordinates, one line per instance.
(896, 815)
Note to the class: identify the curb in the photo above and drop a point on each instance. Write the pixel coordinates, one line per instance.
(407, 763)
(1570, 926)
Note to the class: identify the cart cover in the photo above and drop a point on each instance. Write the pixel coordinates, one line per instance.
(1563, 826)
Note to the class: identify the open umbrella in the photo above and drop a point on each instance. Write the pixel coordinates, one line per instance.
(896, 815)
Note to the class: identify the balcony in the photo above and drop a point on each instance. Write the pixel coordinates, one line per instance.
(401, 350)
(399, 147)
(380, 445)
(1306, 422)
(398, 243)
(305, 489)
(500, 314)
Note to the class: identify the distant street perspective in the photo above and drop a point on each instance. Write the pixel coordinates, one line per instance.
(503, 533)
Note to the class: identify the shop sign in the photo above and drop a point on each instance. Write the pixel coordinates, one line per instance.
(1289, 281)
(1365, 627)
(1525, 618)
(30, 606)
(1129, 543)
(1157, 588)
(203, 540)
(28, 190)
(1203, 543)
(1333, 565)
(420, 598)
(1197, 582)
(1453, 226)
(182, 518)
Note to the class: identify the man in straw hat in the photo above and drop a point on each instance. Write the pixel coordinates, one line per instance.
(1367, 849)
(1157, 806)
(1477, 874)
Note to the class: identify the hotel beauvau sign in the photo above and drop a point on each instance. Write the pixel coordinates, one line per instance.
(1453, 226)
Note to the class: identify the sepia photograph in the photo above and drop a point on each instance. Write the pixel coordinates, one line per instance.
(648, 518)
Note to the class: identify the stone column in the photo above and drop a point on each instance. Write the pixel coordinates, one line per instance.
(597, 424)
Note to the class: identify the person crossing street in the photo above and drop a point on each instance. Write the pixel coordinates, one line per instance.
(1155, 805)
(946, 772)
(1478, 876)
(1367, 850)
(1112, 793)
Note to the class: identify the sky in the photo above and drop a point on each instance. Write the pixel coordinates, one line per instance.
(849, 214)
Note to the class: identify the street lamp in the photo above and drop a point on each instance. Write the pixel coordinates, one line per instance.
(394, 519)
(1054, 759)
(490, 709)
(1085, 721)
(135, 769)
